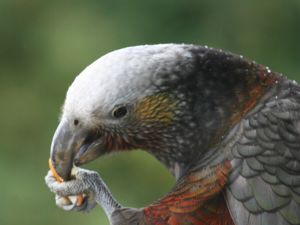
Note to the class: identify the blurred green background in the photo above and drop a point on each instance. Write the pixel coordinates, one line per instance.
(44, 44)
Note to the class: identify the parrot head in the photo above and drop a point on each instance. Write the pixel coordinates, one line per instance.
(119, 102)
(174, 101)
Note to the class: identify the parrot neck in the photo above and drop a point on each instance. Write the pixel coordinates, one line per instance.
(218, 97)
(245, 96)
(227, 106)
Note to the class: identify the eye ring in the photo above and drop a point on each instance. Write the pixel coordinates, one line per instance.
(120, 112)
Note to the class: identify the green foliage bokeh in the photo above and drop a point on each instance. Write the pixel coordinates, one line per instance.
(45, 44)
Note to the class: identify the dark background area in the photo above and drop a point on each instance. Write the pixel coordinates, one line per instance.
(45, 44)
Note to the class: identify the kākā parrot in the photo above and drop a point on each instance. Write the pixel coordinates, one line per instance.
(227, 128)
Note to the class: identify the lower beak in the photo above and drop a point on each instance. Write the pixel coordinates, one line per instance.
(73, 145)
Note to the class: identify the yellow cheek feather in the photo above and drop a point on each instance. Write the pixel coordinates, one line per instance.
(156, 108)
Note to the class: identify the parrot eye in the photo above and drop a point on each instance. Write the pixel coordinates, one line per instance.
(76, 122)
(119, 112)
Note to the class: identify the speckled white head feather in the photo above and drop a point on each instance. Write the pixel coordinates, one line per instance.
(119, 77)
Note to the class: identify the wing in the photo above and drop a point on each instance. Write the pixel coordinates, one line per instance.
(264, 184)
(195, 200)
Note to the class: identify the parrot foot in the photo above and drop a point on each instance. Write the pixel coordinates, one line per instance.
(86, 182)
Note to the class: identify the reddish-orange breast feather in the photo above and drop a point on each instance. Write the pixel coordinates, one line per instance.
(195, 200)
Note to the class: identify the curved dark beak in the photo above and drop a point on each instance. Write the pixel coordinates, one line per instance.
(73, 145)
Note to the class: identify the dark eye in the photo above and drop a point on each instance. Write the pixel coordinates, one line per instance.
(120, 112)
(76, 122)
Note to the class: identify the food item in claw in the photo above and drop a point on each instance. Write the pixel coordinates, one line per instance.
(79, 199)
